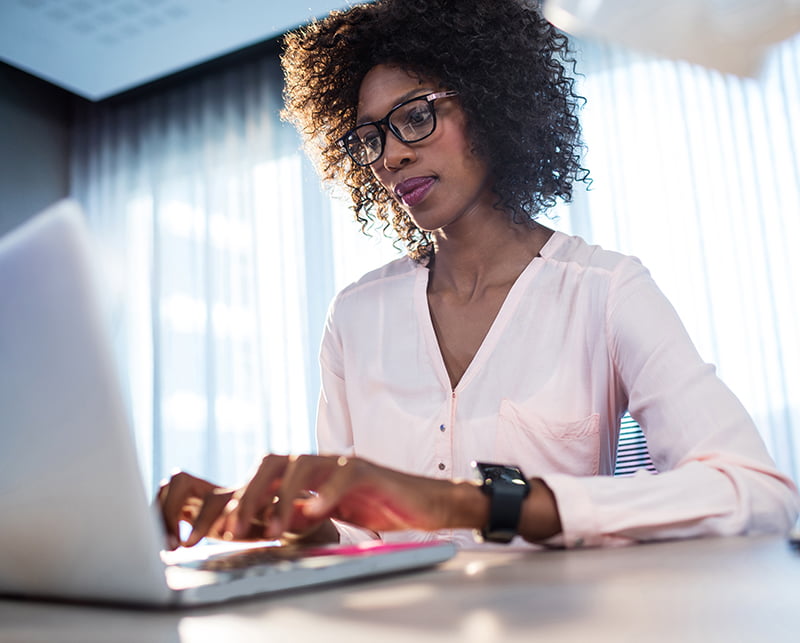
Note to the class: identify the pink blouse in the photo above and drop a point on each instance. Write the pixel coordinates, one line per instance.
(583, 335)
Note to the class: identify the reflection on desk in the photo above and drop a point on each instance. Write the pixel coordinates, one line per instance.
(721, 589)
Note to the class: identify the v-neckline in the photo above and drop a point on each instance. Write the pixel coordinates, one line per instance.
(504, 313)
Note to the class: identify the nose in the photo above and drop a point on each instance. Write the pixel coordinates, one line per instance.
(396, 153)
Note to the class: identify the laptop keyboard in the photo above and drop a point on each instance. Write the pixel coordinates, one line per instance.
(261, 560)
(237, 560)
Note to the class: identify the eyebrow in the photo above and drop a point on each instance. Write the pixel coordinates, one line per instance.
(407, 96)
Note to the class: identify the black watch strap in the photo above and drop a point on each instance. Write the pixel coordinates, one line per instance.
(507, 488)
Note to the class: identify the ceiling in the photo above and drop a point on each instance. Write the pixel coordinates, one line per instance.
(98, 48)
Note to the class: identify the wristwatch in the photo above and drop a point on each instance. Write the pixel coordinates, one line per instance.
(507, 488)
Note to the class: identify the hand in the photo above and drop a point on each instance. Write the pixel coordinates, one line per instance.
(294, 497)
(184, 498)
(349, 489)
(207, 507)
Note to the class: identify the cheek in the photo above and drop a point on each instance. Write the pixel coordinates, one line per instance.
(457, 135)
(471, 166)
(459, 151)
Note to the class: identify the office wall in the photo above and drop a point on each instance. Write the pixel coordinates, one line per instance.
(34, 145)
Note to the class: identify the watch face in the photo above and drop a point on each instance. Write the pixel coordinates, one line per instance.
(499, 472)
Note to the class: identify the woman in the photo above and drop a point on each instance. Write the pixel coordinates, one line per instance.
(495, 339)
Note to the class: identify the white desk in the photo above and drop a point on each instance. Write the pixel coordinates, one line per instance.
(736, 589)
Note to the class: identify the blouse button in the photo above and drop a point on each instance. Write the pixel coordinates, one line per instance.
(442, 428)
(441, 466)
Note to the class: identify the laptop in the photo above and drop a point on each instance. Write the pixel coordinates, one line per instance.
(77, 524)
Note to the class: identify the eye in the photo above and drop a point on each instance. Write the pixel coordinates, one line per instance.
(418, 115)
(372, 140)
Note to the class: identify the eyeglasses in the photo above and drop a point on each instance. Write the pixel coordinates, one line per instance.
(410, 121)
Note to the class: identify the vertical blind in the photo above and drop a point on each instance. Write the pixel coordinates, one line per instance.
(221, 252)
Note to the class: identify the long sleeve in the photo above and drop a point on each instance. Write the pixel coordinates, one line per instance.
(334, 432)
(716, 475)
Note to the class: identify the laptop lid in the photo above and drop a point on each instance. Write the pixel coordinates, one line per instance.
(71, 494)
(77, 524)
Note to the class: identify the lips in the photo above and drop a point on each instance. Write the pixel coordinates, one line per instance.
(412, 191)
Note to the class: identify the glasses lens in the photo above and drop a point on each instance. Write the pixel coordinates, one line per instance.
(364, 144)
(410, 122)
(413, 121)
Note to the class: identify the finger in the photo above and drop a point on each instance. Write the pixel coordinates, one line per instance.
(171, 498)
(305, 473)
(213, 507)
(172, 540)
(335, 487)
(255, 503)
(174, 498)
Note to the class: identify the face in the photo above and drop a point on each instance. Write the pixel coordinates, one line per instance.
(439, 181)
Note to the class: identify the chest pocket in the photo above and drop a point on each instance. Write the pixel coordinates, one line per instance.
(539, 445)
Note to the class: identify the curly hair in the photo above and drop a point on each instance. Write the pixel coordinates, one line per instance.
(509, 65)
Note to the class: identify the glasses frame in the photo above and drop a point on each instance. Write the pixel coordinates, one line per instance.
(385, 123)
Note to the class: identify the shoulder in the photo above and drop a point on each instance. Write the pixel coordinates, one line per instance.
(574, 253)
(381, 283)
(376, 280)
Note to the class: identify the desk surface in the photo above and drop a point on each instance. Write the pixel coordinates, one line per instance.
(722, 589)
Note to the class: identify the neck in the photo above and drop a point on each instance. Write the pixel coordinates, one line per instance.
(487, 255)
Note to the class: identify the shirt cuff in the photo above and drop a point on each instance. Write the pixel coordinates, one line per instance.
(580, 526)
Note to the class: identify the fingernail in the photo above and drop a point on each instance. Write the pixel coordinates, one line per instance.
(275, 528)
(313, 506)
